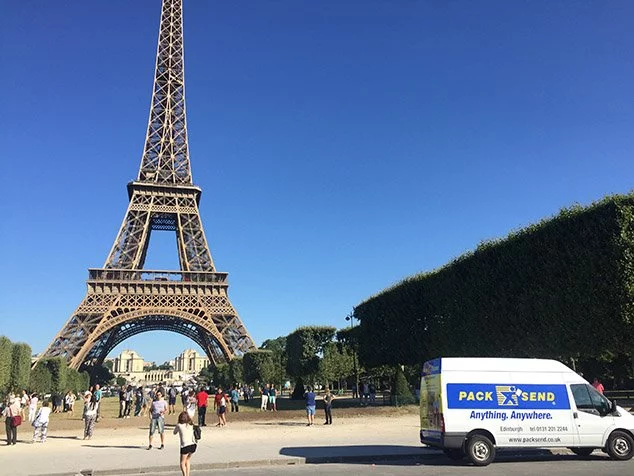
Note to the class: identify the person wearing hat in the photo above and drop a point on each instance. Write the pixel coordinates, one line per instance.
(13, 409)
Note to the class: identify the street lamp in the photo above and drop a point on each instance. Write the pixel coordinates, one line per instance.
(350, 317)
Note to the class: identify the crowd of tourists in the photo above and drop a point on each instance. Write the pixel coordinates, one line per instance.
(153, 403)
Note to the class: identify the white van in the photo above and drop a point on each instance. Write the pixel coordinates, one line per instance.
(471, 406)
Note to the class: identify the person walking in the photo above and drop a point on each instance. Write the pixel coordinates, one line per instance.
(201, 400)
(171, 400)
(191, 404)
(598, 385)
(122, 401)
(217, 398)
(328, 398)
(184, 398)
(71, 403)
(98, 394)
(40, 423)
(310, 406)
(235, 399)
(12, 410)
(265, 397)
(138, 401)
(273, 398)
(33, 407)
(25, 400)
(157, 419)
(221, 401)
(148, 398)
(90, 414)
(185, 430)
(129, 395)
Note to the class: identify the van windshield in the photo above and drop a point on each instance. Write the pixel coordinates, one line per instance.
(587, 399)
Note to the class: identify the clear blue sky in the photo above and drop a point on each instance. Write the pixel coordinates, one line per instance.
(340, 145)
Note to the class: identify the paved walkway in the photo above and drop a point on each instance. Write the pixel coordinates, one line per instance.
(286, 441)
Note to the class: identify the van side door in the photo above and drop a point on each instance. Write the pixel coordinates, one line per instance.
(592, 415)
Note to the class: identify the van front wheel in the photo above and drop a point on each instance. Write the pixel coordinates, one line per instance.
(620, 445)
(480, 450)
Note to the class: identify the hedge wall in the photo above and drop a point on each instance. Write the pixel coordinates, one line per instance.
(561, 288)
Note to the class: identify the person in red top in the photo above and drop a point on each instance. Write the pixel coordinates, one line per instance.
(598, 385)
(220, 405)
(201, 398)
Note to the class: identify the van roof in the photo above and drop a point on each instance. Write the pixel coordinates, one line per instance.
(502, 364)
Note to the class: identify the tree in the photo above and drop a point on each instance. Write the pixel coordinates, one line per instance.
(58, 367)
(205, 376)
(236, 371)
(20, 366)
(77, 381)
(303, 347)
(278, 347)
(220, 375)
(258, 366)
(120, 381)
(84, 381)
(99, 374)
(6, 348)
(336, 364)
(40, 380)
(402, 391)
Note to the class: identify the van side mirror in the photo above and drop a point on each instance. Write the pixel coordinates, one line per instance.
(612, 406)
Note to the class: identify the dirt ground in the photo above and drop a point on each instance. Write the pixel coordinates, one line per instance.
(287, 409)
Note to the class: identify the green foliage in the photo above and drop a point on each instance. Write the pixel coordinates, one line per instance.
(303, 347)
(99, 374)
(403, 394)
(236, 371)
(40, 380)
(205, 376)
(58, 368)
(20, 367)
(278, 347)
(336, 364)
(562, 288)
(83, 381)
(258, 366)
(77, 381)
(220, 375)
(120, 381)
(6, 348)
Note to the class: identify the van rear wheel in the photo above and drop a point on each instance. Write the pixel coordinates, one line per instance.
(585, 452)
(620, 445)
(480, 450)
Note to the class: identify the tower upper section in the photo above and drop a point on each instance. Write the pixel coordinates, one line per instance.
(166, 153)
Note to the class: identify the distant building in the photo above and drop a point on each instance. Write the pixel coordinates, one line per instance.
(190, 362)
(130, 365)
(128, 362)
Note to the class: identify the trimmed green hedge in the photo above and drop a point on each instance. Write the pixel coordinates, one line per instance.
(561, 288)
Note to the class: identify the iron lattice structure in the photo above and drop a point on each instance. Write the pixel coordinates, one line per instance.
(123, 299)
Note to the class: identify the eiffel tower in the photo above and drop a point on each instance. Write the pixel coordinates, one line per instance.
(123, 299)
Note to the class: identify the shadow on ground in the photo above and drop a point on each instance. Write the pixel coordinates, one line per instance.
(281, 423)
(124, 447)
(399, 455)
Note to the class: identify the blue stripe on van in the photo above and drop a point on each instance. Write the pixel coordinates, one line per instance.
(507, 396)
